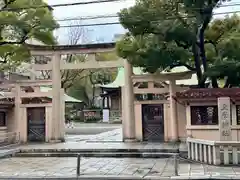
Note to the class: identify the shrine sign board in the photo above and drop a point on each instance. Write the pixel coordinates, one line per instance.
(224, 118)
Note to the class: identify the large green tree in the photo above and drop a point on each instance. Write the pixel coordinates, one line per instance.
(21, 20)
(167, 33)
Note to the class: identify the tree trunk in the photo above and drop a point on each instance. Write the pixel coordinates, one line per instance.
(214, 82)
(202, 49)
(195, 51)
(93, 95)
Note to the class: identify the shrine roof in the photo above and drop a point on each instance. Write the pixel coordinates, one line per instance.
(209, 93)
(119, 81)
(67, 98)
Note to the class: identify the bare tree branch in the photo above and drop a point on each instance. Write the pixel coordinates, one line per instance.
(76, 35)
(4, 60)
(22, 39)
(7, 3)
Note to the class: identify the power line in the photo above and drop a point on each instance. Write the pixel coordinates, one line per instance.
(109, 16)
(117, 22)
(88, 25)
(62, 5)
(90, 2)
(89, 17)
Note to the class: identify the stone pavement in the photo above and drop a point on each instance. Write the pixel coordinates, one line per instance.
(105, 167)
(109, 136)
(108, 168)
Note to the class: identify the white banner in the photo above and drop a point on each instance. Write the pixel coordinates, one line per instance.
(106, 115)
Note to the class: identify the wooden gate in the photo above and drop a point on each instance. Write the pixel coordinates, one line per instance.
(36, 124)
(153, 122)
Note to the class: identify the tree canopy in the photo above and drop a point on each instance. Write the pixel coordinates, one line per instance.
(167, 33)
(21, 20)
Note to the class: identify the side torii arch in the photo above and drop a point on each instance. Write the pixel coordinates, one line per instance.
(56, 65)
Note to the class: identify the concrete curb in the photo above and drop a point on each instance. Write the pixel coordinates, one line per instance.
(110, 150)
(99, 155)
(87, 177)
(113, 152)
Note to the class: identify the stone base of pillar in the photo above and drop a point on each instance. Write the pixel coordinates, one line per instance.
(59, 140)
(130, 140)
(55, 141)
(174, 140)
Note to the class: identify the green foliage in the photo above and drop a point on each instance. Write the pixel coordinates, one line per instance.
(85, 85)
(19, 25)
(168, 33)
(155, 35)
(150, 52)
(224, 38)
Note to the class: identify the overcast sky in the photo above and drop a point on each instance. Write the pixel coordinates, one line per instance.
(103, 33)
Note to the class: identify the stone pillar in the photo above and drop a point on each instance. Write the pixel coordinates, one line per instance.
(173, 111)
(122, 107)
(17, 113)
(224, 118)
(129, 119)
(56, 98)
(62, 120)
(33, 73)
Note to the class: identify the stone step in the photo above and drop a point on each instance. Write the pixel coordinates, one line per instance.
(8, 146)
(107, 150)
(97, 154)
(8, 152)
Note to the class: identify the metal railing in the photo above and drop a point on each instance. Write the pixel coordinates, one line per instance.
(175, 166)
(176, 158)
(9, 138)
(214, 152)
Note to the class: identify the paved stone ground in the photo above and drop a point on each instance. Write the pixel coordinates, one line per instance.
(90, 128)
(109, 136)
(143, 168)
(109, 167)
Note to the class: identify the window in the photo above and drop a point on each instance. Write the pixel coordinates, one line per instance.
(2, 119)
(238, 114)
(204, 115)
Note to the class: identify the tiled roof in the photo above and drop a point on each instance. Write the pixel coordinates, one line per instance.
(209, 93)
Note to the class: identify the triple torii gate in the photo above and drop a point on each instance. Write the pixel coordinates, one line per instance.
(128, 114)
(56, 65)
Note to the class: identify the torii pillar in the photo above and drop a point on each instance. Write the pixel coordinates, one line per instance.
(128, 115)
(173, 111)
(57, 124)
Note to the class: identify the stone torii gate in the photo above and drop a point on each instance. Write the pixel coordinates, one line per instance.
(56, 65)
